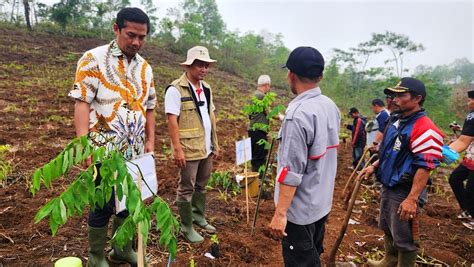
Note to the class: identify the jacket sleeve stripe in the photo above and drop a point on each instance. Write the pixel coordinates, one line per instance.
(430, 132)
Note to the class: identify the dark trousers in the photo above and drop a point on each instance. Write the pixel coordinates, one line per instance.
(464, 194)
(259, 153)
(356, 155)
(389, 220)
(304, 243)
(99, 217)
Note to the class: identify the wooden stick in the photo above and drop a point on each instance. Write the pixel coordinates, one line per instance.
(262, 183)
(348, 194)
(332, 254)
(141, 249)
(355, 170)
(246, 185)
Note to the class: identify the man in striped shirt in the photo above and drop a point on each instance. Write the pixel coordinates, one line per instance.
(410, 149)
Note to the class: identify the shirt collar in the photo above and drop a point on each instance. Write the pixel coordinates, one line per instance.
(308, 94)
(192, 85)
(117, 52)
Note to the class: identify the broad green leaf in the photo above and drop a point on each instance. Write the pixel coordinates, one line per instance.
(63, 211)
(36, 181)
(119, 192)
(59, 165)
(65, 164)
(45, 210)
(70, 155)
(53, 225)
(47, 175)
(78, 156)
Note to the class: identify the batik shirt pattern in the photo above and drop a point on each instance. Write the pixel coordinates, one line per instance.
(119, 94)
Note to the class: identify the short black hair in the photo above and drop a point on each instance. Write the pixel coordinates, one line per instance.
(378, 102)
(413, 94)
(308, 79)
(132, 14)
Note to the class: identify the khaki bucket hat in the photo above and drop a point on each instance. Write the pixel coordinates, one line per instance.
(199, 53)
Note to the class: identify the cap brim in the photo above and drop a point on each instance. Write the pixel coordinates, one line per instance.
(284, 66)
(190, 61)
(391, 90)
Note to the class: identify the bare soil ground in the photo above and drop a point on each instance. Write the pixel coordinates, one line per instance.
(36, 72)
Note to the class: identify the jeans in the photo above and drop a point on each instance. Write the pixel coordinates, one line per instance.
(356, 155)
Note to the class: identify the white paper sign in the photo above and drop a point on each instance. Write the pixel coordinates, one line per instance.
(147, 167)
(239, 151)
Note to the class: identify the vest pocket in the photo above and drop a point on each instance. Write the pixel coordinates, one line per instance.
(192, 140)
(188, 118)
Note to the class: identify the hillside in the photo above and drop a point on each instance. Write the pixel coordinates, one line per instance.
(37, 71)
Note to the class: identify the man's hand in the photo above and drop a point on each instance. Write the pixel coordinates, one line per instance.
(179, 158)
(407, 209)
(277, 225)
(367, 172)
(149, 146)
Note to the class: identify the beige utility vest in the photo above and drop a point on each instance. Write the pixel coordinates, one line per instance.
(191, 127)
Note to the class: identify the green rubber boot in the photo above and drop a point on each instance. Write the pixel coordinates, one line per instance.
(97, 240)
(391, 255)
(407, 258)
(199, 206)
(187, 228)
(122, 255)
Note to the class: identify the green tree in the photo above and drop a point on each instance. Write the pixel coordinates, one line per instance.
(213, 26)
(398, 44)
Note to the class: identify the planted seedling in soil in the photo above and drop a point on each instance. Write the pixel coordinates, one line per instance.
(215, 248)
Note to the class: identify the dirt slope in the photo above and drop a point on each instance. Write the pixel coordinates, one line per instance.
(36, 72)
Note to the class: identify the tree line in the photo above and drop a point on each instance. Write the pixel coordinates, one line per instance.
(348, 78)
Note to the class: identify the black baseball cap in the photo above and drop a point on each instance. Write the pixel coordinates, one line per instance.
(353, 110)
(470, 91)
(306, 62)
(407, 84)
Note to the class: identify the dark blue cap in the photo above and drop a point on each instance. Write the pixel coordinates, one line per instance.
(408, 84)
(306, 62)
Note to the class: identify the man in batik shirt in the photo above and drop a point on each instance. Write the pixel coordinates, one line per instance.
(115, 101)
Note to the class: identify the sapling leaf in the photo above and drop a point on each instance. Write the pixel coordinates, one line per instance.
(45, 210)
(63, 211)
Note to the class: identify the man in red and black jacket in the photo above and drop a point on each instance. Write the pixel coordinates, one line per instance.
(359, 137)
(411, 148)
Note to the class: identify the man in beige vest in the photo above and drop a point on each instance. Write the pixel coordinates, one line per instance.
(192, 129)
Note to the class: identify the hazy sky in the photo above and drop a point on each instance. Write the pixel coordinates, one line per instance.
(445, 28)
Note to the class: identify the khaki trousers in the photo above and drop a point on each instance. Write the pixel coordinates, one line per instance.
(193, 178)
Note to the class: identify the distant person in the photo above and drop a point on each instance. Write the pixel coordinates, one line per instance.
(389, 100)
(359, 138)
(259, 153)
(115, 102)
(410, 149)
(381, 117)
(189, 108)
(371, 129)
(462, 178)
(307, 162)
